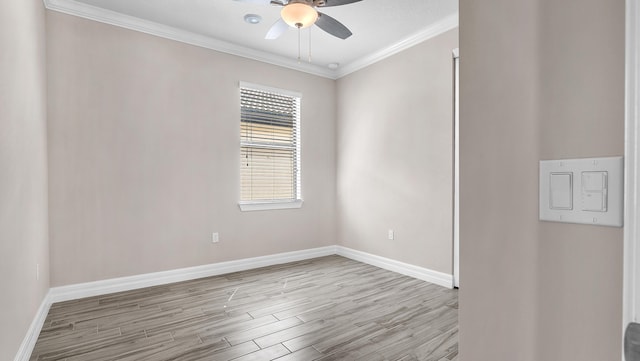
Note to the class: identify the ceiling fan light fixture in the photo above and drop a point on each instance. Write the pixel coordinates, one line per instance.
(299, 15)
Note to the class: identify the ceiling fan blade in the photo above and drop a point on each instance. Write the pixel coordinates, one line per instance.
(258, 2)
(332, 26)
(338, 2)
(277, 30)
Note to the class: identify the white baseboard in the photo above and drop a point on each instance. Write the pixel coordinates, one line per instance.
(29, 341)
(97, 288)
(421, 273)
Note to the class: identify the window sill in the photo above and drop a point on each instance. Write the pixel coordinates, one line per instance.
(267, 206)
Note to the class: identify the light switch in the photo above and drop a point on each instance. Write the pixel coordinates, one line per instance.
(584, 190)
(561, 190)
(594, 191)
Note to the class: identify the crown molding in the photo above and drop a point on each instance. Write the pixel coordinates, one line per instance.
(95, 13)
(90, 12)
(442, 26)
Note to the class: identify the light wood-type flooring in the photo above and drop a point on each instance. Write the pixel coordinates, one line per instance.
(328, 308)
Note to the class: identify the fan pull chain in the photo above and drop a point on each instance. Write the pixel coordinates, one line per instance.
(299, 26)
(309, 44)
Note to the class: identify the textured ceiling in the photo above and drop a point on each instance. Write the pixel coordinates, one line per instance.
(378, 27)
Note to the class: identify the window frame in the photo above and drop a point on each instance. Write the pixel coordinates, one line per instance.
(273, 204)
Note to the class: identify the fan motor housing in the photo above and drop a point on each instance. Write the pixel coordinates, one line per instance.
(316, 3)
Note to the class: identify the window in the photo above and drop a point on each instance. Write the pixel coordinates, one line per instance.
(269, 148)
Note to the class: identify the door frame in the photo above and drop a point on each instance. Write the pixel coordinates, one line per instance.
(456, 167)
(631, 268)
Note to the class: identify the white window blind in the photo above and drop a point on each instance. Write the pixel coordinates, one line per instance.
(269, 145)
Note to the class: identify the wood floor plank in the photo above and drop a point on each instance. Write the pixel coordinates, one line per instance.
(305, 354)
(289, 333)
(118, 351)
(169, 350)
(235, 338)
(269, 353)
(329, 308)
(222, 330)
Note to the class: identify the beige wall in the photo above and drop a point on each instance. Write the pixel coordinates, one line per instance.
(144, 155)
(23, 170)
(498, 180)
(544, 82)
(581, 115)
(395, 155)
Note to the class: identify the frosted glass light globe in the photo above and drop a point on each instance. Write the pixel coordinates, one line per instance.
(299, 15)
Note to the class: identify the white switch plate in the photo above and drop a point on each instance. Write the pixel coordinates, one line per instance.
(215, 237)
(587, 191)
(391, 234)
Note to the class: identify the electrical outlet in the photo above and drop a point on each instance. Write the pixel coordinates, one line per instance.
(391, 234)
(215, 237)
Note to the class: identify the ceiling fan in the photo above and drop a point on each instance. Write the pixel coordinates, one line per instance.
(303, 13)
